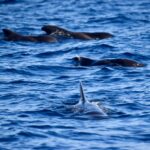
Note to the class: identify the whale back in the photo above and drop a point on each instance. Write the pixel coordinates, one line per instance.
(99, 35)
(10, 35)
(84, 61)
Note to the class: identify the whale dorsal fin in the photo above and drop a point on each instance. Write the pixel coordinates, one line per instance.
(82, 99)
(8, 32)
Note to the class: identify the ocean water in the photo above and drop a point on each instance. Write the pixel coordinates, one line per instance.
(38, 80)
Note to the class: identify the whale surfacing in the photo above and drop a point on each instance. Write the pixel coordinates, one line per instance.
(84, 61)
(10, 35)
(58, 31)
(86, 107)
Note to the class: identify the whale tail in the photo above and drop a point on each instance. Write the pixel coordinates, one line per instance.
(82, 99)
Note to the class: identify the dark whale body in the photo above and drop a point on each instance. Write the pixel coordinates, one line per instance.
(10, 35)
(83, 61)
(58, 31)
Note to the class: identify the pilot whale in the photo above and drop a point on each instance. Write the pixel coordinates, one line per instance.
(86, 107)
(84, 61)
(58, 31)
(10, 35)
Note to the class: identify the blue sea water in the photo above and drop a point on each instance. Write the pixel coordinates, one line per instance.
(37, 80)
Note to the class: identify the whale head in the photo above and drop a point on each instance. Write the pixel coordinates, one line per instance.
(83, 61)
(55, 30)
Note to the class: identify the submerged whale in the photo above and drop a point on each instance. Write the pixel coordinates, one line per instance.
(86, 107)
(58, 31)
(10, 35)
(84, 61)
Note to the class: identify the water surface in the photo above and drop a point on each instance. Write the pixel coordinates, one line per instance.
(37, 80)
